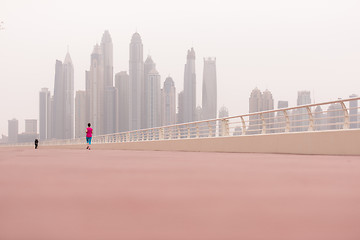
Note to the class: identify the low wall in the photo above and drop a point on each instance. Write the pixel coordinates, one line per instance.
(341, 142)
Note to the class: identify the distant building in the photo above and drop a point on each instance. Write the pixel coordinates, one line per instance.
(268, 104)
(64, 99)
(255, 105)
(122, 85)
(13, 130)
(280, 118)
(110, 110)
(80, 114)
(353, 112)
(209, 89)
(168, 103)
(109, 92)
(31, 126)
(189, 100)
(149, 65)
(223, 112)
(199, 114)
(300, 117)
(319, 119)
(136, 73)
(180, 114)
(335, 117)
(45, 115)
(95, 91)
(153, 100)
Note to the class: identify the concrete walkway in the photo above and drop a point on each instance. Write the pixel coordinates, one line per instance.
(53, 194)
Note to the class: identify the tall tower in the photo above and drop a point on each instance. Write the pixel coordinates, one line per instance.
(153, 100)
(168, 102)
(107, 55)
(109, 93)
(68, 75)
(148, 66)
(44, 114)
(95, 91)
(209, 89)
(123, 88)
(255, 105)
(190, 87)
(136, 72)
(59, 102)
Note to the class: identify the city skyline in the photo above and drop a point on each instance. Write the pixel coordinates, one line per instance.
(286, 47)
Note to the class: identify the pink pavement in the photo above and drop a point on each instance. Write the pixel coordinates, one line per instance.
(60, 194)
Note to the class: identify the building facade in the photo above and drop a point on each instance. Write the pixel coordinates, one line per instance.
(168, 102)
(136, 74)
(122, 84)
(189, 88)
(45, 114)
(209, 89)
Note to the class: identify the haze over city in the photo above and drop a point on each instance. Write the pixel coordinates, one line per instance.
(277, 45)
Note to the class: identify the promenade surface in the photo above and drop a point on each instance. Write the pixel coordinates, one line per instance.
(54, 194)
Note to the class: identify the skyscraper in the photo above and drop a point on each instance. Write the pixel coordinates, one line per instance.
(95, 91)
(268, 104)
(190, 87)
(109, 93)
(59, 102)
(69, 97)
(64, 99)
(13, 131)
(107, 55)
(209, 89)
(168, 102)
(136, 73)
(123, 88)
(153, 100)
(255, 105)
(300, 116)
(148, 66)
(80, 114)
(44, 114)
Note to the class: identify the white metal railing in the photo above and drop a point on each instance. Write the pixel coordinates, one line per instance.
(324, 116)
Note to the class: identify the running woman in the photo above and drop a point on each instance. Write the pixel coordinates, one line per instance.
(89, 132)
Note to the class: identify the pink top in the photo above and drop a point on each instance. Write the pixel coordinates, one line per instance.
(89, 132)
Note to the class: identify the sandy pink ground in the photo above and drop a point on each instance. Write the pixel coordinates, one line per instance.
(98, 195)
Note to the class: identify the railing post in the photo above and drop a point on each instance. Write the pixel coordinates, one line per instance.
(287, 127)
(197, 130)
(188, 130)
(243, 126)
(311, 119)
(179, 132)
(225, 127)
(210, 129)
(346, 115)
(161, 133)
(263, 131)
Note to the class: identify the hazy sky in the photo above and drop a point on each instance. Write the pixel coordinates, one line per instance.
(282, 45)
